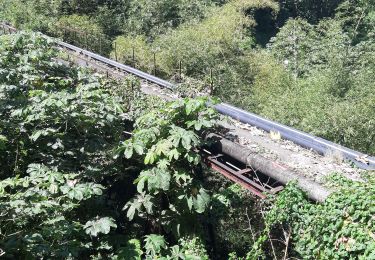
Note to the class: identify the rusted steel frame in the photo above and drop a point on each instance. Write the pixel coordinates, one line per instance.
(238, 174)
(276, 171)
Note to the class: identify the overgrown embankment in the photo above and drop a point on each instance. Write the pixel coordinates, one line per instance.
(74, 184)
(307, 64)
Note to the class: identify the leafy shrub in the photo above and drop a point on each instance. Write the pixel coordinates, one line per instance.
(329, 78)
(208, 43)
(165, 139)
(357, 18)
(111, 18)
(311, 10)
(193, 247)
(310, 105)
(200, 46)
(82, 31)
(305, 47)
(152, 18)
(36, 15)
(79, 22)
(143, 55)
(60, 187)
(61, 114)
(234, 217)
(58, 149)
(156, 247)
(39, 203)
(79, 6)
(340, 228)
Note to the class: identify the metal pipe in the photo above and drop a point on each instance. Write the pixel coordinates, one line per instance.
(281, 173)
(118, 65)
(318, 144)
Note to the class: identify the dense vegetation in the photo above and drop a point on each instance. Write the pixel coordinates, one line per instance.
(304, 63)
(93, 169)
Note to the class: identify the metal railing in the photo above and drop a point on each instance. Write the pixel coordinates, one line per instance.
(308, 141)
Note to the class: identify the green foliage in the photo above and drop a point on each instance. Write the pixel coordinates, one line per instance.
(152, 18)
(82, 31)
(56, 153)
(193, 248)
(305, 47)
(51, 113)
(311, 10)
(3, 141)
(79, 22)
(37, 212)
(235, 218)
(154, 244)
(79, 6)
(329, 78)
(357, 18)
(34, 14)
(62, 191)
(99, 225)
(200, 45)
(166, 141)
(340, 228)
(60, 126)
(143, 54)
(187, 248)
(111, 18)
(132, 250)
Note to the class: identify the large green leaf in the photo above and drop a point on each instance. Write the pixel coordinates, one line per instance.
(131, 251)
(154, 244)
(99, 226)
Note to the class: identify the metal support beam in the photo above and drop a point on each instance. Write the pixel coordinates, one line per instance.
(244, 177)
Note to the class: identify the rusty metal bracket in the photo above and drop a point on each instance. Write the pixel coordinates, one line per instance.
(244, 176)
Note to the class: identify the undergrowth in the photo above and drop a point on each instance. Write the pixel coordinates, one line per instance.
(342, 227)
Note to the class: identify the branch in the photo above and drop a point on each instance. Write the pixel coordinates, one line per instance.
(250, 228)
(358, 23)
(287, 236)
(270, 239)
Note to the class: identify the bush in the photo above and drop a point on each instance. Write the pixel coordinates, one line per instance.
(34, 15)
(152, 18)
(219, 37)
(314, 105)
(234, 220)
(358, 19)
(82, 31)
(340, 228)
(311, 10)
(62, 188)
(143, 54)
(58, 149)
(305, 47)
(329, 93)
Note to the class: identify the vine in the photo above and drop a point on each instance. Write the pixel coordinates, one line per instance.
(343, 227)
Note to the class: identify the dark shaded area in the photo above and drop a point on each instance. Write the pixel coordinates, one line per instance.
(266, 26)
(311, 10)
